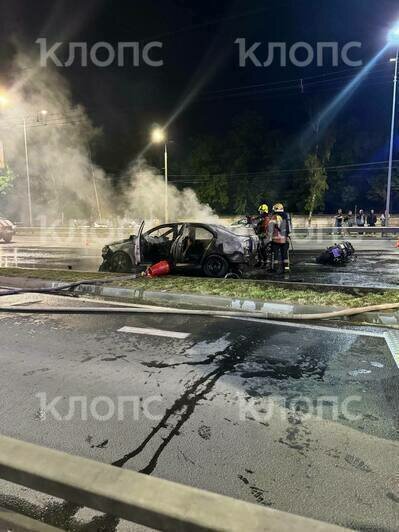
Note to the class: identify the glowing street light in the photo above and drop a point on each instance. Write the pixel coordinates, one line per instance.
(4, 101)
(393, 40)
(393, 35)
(158, 136)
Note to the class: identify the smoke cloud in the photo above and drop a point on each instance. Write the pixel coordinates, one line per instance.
(58, 142)
(145, 198)
(65, 184)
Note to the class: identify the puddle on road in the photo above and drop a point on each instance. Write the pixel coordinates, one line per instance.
(368, 270)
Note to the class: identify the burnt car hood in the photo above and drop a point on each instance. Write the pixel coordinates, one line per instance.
(124, 244)
(117, 243)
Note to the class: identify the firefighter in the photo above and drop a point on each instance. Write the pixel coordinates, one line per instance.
(262, 230)
(279, 231)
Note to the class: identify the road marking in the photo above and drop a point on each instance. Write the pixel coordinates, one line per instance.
(392, 339)
(154, 332)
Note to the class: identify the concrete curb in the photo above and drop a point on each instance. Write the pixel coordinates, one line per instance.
(170, 298)
(205, 301)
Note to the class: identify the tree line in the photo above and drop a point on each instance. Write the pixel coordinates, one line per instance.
(249, 164)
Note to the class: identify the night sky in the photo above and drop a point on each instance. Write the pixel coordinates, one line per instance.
(199, 51)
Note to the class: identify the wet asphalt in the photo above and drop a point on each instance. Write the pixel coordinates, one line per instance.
(373, 268)
(292, 417)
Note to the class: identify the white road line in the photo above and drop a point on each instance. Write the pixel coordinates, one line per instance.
(154, 332)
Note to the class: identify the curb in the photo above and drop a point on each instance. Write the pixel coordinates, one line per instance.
(170, 298)
(205, 301)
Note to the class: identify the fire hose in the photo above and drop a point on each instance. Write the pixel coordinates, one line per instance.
(196, 312)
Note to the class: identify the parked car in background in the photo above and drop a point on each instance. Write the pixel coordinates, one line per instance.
(213, 250)
(7, 230)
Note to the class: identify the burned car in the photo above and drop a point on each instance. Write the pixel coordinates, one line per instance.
(213, 250)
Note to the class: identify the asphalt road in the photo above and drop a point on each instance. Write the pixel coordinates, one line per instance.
(378, 268)
(297, 418)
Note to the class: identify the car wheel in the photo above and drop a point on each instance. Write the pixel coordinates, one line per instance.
(7, 238)
(121, 262)
(215, 266)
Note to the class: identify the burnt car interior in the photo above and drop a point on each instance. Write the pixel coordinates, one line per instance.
(193, 244)
(186, 243)
(157, 243)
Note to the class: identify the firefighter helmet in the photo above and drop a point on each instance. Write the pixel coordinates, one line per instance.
(278, 207)
(263, 209)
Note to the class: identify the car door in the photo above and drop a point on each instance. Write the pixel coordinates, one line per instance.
(192, 244)
(156, 244)
(176, 251)
(137, 245)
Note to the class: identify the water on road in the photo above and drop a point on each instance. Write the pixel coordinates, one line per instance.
(297, 418)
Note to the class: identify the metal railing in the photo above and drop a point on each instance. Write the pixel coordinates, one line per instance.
(149, 501)
(380, 232)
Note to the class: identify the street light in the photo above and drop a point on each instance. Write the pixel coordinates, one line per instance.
(3, 100)
(158, 136)
(393, 39)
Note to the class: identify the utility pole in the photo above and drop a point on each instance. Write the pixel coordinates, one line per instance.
(96, 192)
(27, 174)
(93, 177)
(391, 147)
(166, 184)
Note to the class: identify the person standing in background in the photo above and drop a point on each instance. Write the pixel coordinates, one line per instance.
(361, 219)
(339, 221)
(372, 219)
(350, 219)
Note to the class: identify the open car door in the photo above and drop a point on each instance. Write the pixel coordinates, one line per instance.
(137, 245)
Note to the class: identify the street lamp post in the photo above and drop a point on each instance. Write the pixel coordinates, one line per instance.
(393, 38)
(166, 183)
(27, 173)
(158, 136)
(43, 114)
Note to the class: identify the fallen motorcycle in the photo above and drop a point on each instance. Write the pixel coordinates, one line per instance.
(337, 255)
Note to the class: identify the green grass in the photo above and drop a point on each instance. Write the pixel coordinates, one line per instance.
(225, 287)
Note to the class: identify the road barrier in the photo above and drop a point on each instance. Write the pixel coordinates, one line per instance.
(345, 232)
(132, 496)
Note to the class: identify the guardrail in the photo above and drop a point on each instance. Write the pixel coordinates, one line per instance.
(84, 229)
(132, 496)
(101, 235)
(309, 232)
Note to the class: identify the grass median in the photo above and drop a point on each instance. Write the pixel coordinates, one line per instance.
(216, 287)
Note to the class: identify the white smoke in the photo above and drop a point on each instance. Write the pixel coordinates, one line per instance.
(145, 198)
(58, 146)
(63, 178)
